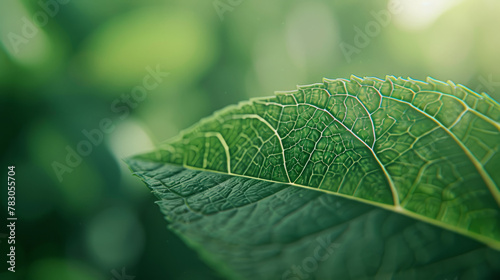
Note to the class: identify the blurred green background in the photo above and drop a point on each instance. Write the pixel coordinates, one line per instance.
(68, 66)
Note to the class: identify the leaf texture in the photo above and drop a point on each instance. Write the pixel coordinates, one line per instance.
(255, 229)
(397, 151)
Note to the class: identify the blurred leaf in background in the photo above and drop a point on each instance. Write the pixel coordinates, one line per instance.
(65, 64)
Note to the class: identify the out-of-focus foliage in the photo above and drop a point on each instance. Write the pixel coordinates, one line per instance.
(82, 61)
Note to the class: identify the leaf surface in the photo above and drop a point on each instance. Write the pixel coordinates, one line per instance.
(423, 152)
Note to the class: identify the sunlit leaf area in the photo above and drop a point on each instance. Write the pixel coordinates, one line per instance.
(87, 84)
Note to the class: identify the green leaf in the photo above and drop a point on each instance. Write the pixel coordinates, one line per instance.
(400, 173)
